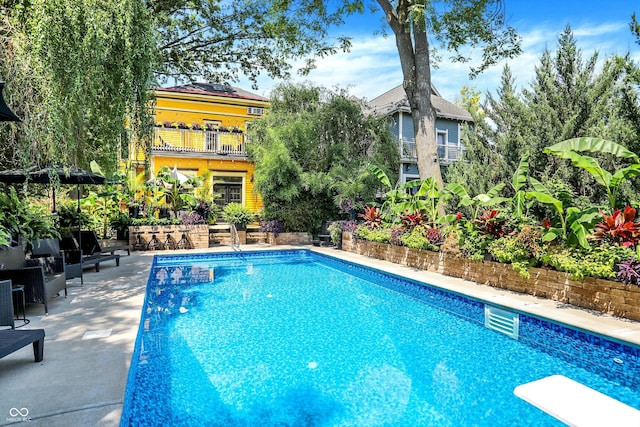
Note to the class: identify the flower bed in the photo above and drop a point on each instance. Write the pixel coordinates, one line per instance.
(615, 298)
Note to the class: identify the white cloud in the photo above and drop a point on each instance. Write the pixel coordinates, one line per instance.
(373, 67)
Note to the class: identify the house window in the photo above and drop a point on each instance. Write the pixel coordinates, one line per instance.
(448, 151)
(256, 111)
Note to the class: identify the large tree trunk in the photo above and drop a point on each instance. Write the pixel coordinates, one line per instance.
(416, 70)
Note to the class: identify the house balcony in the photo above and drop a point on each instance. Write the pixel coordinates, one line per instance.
(198, 142)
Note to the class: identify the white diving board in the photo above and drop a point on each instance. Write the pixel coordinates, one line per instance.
(576, 404)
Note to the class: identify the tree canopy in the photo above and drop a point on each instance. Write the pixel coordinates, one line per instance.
(452, 25)
(78, 75)
(311, 150)
(569, 97)
(219, 40)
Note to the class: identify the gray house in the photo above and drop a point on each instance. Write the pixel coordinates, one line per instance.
(450, 119)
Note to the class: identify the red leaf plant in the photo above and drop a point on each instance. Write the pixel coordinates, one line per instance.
(372, 217)
(489, 223)
(412, 220)
(618, 228)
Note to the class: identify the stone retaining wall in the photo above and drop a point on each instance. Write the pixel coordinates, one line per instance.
(601, 295)
(301, 238)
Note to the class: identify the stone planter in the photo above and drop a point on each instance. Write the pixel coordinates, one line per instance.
(198, 235)
(605, 296)
(289, 239)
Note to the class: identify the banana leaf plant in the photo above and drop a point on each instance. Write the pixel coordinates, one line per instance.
(575, 224)
(570, 149)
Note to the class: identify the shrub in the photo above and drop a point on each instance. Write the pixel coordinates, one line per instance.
(235, 213)
(380, 235)
(416, 238)
(193, 218)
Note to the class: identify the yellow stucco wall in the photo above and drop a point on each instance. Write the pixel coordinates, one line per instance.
(171, 106)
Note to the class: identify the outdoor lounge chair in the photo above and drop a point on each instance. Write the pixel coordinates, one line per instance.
(91, 253)
(42, 278)
(11, 339)
(91, 245)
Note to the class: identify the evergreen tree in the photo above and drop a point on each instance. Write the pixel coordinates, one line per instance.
(568, 98)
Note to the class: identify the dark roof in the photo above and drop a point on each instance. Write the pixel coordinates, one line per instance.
(214, 89)
(396, 100)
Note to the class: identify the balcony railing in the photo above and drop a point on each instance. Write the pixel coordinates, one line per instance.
(199, 141)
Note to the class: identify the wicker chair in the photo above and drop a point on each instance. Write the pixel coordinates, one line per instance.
(6, 304)
(42, 278)
(51, 248)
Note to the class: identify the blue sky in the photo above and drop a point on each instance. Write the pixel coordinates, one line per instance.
(372, 67)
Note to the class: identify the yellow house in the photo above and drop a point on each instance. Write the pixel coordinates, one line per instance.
(200, 127)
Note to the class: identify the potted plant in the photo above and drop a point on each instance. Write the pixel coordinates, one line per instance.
(238, 215)
(120, 223)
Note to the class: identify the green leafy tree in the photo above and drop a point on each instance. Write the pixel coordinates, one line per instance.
(310, 151)
(85, 68)
(569, 97)
(220, 40)
(452, 25)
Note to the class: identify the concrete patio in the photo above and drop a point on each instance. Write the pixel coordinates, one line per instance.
(90, 337)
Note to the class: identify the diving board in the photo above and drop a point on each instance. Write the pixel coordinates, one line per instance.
(576, 404)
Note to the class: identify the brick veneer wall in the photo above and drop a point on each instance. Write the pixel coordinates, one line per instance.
(601, 295)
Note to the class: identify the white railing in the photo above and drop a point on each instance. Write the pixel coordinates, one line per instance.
(213, 142)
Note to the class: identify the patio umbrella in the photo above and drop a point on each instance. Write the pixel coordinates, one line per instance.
(49, 174)
(6, 115)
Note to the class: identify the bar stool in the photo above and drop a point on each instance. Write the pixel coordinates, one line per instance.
(169, 241)
(16, 290)
(154, 243)
(140, 244)
(184, 242)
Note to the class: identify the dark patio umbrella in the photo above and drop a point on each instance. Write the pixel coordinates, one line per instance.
(49, 174)
(6, 115)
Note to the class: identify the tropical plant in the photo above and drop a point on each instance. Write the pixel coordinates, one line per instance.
(192, 218)
(618, 228)
(335, 231)
(575, 224)
(120, 222)
(491, 222)
(411, 220)
(176, 192)
(570, 149)
(372, 217)
(522, 250)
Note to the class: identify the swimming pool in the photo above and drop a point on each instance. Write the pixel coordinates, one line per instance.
(296, 338)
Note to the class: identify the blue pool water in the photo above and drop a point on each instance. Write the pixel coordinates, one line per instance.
(293, 338)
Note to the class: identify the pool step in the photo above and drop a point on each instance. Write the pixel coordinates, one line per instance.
(501, 320)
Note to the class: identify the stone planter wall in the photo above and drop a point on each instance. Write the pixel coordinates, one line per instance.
(289, 239)
(198, 235)
(601, 295)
